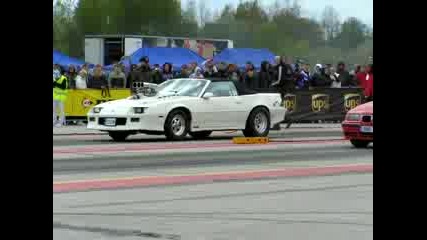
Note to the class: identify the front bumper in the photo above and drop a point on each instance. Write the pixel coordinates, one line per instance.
(277, 115)
(352, 132)
(141, 122)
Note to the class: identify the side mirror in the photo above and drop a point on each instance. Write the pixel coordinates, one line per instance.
(207, 95)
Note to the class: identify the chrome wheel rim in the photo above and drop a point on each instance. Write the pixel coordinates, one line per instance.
(178, 125)
(260, 122)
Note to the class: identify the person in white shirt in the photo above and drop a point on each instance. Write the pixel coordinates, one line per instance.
(336, 83)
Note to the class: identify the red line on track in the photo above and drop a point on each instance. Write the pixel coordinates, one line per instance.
(206, 178)
(125, 148)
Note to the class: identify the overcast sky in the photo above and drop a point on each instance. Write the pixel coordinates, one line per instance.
(362, 9)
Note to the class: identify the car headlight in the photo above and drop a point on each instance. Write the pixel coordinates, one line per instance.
(96, 109)
(353, 117)
(139, 110)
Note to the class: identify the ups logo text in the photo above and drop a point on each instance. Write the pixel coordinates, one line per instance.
(320, 102)
(290, 102)
(351, 101)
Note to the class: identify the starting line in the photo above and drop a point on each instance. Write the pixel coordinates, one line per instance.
(251, 140)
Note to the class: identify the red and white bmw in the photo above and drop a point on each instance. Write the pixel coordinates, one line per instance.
(358, 125)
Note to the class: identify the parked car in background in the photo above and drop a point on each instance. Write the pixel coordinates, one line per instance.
(358, 125)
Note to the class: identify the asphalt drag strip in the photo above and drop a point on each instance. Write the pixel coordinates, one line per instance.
(93, 139)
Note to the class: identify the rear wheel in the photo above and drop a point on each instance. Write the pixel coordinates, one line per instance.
(118, 136)
(176, 125)
(258, 123)
(200, 134)
(359, 143)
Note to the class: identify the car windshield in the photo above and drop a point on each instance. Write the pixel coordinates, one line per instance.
(181, 87)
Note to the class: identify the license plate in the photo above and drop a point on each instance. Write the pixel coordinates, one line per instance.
(110, 122)
(367, 129)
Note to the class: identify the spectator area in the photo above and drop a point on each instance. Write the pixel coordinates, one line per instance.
(65, 61)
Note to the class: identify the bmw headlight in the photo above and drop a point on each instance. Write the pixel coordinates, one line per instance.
(96, 109)
(353, 117)
(139, 110)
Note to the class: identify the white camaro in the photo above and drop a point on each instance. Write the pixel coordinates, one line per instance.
(189, 106)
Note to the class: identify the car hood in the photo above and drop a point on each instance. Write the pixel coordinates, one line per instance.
(364, 108)
(142, 102)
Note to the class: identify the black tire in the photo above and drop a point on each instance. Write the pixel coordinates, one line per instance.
(200, 134)
(360, 143)
(172, 134)
(251, 129)
(118, 136)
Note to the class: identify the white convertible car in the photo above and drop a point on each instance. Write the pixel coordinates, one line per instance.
(189, 106)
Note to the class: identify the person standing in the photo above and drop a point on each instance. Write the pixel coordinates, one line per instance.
(335, 80)
(144, 70)
(117, 78)
(167, 72)
(60, 86)
(156, 74)
(344, 76)
(264, 76)
(285, 81)
(368, 83)
(303, 78)
(249, 77)
(71, 76)
(56, 72)
(318, 78)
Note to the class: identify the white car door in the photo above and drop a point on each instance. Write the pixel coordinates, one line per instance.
(222, 106)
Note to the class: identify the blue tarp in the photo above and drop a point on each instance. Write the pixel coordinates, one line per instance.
(161, 55)
(240, 56)
(64, 60)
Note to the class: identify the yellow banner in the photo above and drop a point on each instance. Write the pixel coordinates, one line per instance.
(80, 101)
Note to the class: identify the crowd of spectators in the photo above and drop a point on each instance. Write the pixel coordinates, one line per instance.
(300, 75)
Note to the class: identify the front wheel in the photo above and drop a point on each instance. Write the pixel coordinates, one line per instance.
(359, 143)
(258, 123)
(200, 134)
(176, 125)
(118, 136)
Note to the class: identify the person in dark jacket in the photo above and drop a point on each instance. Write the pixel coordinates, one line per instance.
(98, 80)
(264, 75)
(185, 72)
(354, 72)
(71, 76)
(317, 79)
(156, 74)
(285, 81)
(144, 70)
(249, 77)
(223, 71)
(209, 69)
(167, 72)
(344, 76)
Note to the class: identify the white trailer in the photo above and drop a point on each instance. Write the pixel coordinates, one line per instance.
(107, 49)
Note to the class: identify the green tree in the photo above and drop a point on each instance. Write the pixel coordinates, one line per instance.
(189, 26)
(128, 16)
(64, 26)
(330, 22)
(352, 34)
(280, 28)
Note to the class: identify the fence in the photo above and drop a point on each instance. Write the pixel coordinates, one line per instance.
(328, 104)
